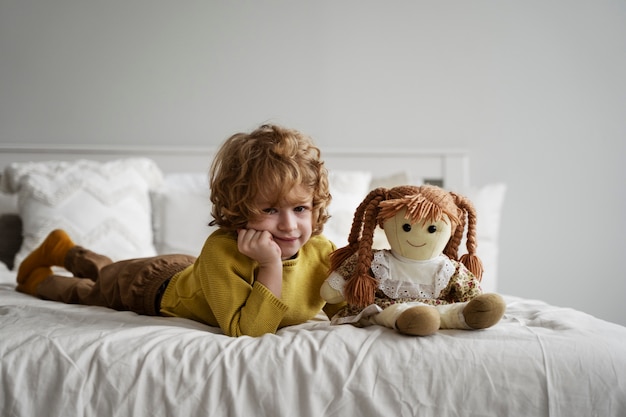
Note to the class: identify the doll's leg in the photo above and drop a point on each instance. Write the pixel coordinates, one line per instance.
(452, 316)
(388, 316)
(484, 311)
(481, 312)
(414, 319)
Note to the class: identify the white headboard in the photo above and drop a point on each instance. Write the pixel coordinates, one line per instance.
(447, 167)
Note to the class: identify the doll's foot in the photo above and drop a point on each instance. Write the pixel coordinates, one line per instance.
(484, 311)
(30, 283)
(51, 252)
(418, 321)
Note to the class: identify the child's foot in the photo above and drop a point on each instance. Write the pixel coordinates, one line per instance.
(30, 283)
(418, 321)
(484, 311)
(50, 253)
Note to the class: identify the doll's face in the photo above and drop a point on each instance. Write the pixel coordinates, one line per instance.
(420, 241)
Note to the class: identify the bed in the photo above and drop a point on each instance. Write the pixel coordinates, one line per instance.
(66, 360)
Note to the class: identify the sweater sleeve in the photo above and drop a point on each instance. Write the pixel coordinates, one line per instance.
(240, 305)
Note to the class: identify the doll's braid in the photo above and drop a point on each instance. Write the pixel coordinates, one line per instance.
(452, 248)
(470, 259)
(341, 254)
(361, 286)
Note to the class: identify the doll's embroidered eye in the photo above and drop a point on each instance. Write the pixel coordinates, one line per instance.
(406, 227)
(432, 228)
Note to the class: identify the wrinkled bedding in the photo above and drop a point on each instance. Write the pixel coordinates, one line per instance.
(540, 360)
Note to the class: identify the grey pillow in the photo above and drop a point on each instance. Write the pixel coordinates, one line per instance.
(10, 238)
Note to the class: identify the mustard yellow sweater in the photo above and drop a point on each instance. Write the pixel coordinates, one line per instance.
(219, 289)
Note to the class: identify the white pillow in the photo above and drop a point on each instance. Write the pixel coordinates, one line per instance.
(182, 209)
(182, 212)
(393, 180)
(488, 201)
(348, 189)
(104, 207)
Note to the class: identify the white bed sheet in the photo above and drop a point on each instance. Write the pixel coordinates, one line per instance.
(540, 360)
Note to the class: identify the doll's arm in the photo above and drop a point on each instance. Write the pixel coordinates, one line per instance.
(332, 288)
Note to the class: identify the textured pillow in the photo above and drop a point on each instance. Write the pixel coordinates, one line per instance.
(182, 212)
(103, 206)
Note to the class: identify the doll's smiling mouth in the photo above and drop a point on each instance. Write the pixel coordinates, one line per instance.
(416, 246)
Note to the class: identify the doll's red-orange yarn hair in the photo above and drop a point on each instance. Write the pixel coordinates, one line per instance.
(423, 202)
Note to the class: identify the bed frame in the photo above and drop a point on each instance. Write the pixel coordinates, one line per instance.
(449, 168)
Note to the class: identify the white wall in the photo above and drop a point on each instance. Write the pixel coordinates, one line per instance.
(535, 89)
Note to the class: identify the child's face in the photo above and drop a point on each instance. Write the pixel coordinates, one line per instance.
(290, 221)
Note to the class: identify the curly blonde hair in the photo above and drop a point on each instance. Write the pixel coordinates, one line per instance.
(424, 202)
(265, 165)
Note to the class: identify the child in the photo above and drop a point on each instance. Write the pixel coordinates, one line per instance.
(260, 271)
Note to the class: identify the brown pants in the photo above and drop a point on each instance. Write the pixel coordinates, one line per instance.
(132, 285)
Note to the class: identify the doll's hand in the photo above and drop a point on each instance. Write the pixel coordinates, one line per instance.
(331, 295)
(258, 245)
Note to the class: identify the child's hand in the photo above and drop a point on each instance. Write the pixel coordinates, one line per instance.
(258, 245)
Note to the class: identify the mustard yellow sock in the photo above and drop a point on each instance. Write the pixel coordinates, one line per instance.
(51, 252)
(31, 282)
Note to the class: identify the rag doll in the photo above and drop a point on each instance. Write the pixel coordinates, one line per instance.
(419, 285)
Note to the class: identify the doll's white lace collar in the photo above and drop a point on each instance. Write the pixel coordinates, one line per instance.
(401, 277)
